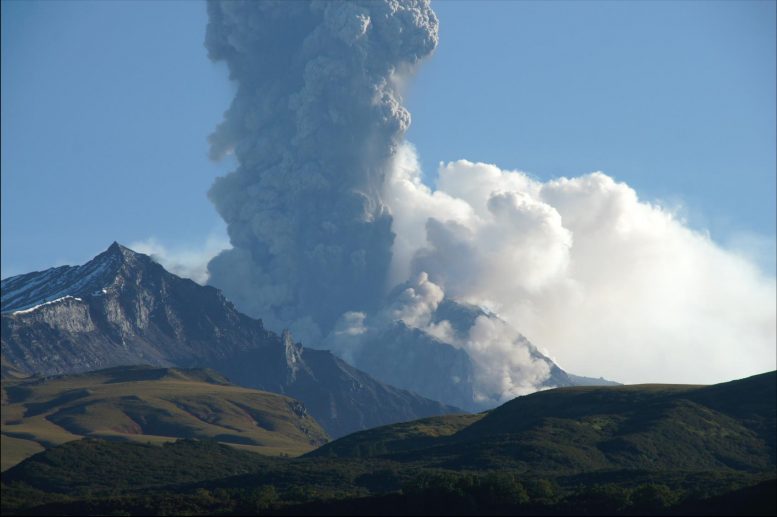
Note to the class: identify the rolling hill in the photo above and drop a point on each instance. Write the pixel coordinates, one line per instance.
(729, 426)
(150, 405)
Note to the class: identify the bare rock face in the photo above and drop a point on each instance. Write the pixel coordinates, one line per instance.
(122, 308)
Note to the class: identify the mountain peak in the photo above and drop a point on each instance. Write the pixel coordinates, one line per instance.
(115, 249)
(119, 252)
(111, 260)
(23, 292)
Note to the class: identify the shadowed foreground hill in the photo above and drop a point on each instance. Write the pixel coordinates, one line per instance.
(102, 465)
(582, 429)
(147, 404)
(650, 449)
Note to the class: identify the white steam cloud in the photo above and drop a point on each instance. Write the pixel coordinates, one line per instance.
(185, 261)
(505, 364)
(609, 284)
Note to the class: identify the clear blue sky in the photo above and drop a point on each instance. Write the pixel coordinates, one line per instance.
(106, 108)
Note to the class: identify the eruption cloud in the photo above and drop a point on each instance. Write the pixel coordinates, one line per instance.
(314, 125)
(335, 236)
(609, 284)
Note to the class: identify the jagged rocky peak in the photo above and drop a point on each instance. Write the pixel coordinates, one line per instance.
(118, 258)
(117, 252)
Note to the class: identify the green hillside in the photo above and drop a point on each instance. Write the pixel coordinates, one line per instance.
(150, 405)
(99, 465)
(400, 438)
(583, 429)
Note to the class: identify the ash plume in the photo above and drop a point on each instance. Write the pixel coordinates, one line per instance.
(314, 125)
(328, 216)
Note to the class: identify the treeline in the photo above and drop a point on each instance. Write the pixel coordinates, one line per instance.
(95, 477)
(504, 493)
(428, 493)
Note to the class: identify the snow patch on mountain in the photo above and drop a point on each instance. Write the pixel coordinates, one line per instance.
(35, 307)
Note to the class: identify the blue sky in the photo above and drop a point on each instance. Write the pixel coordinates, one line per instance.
(106, 108)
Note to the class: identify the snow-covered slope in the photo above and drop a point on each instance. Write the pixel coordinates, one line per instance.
(24, 292)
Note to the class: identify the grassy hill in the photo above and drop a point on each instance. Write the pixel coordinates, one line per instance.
(150, 405)
(584, 429)
(103, 465)
(404, 438)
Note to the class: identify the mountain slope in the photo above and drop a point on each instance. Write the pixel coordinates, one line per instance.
(359, 402)
(152, 404)
(125, 309)
(414, 360)
(32, 289)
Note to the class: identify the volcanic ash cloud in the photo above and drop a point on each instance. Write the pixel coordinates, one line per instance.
(314, 125)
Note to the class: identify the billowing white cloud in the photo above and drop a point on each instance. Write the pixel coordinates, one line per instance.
(416, 304)
(505, 367)
(505, 364)
(188, 262)
(605, 283)
(412, 203)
